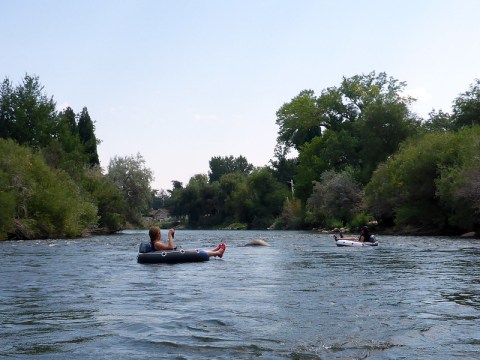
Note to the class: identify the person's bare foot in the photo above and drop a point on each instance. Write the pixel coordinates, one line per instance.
(222, 247)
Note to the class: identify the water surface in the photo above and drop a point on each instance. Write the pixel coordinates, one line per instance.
(301, 298)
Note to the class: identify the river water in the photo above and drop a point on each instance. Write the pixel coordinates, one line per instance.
(301, 298)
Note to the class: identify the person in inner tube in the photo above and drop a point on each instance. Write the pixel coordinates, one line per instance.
(156, 235)
(363, 237)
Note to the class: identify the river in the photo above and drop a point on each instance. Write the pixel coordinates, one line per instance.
(301, 298)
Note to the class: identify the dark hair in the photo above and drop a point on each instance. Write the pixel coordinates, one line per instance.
(153, 233)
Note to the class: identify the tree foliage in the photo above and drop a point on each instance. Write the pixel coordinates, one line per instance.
(428, 183)
(86, 132)
(264, 198)
(55, 188)
(133, 178)
(292, 216)
(220, 166)
(342, 137)
(465, 112)
(438, 121)
(421, 176)
(39, 202)
(254, 198)
(284, 168)
(466, 107)
(27, 114)
(358, 124)
(110, 200)
(337, 197)
(298, 120)
(65, 150)
(333, 151)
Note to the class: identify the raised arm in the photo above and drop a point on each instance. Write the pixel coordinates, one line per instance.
(171, 235)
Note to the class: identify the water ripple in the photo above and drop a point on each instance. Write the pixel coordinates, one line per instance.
(301, 298)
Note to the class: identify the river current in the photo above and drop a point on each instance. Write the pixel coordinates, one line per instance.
(300, 298)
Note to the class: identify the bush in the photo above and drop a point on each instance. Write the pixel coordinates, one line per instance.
(337, 197)
(7, 204)
(291, 217)
(430, 183)
(108, 197)
(360, 220)
(47, 203)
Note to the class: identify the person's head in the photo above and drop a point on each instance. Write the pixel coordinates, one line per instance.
(154, 233)
(365, 229)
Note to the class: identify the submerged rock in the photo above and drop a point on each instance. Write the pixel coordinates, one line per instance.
(258, 242)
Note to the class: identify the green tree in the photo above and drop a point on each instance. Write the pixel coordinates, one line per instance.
(86, 131)
(173, 201)
(429, 184)
(292, 215)
(466, 107)
(28, 114)
(220, 166)
(457, 183)
(337, 197)
(67, 130)
(65, 151)
(7, 111)
(47, 203)
(438, 121)
(189, 201)
(409, 185)
(337, 108)
(254, 199)
(358, 124)
(230, 201)
(264, 199)
(311, 164)
(380, 130)
(160, 199)
(299, 120)
(111, 203)
(283, 168)
(333, 151)
(7, 204)
(133, 178)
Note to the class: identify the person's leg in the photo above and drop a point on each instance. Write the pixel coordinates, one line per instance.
(218, 251)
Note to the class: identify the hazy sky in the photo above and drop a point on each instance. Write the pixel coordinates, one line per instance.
(182, 81)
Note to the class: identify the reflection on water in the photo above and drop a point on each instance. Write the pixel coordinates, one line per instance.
(301, 298)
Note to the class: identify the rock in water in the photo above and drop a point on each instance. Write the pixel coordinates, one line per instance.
(258, 242)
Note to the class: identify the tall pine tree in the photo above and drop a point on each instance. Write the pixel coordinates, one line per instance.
(7, 115)
(86, 131)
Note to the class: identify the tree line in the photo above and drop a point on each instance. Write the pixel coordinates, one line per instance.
(353, 154)
(51, 184)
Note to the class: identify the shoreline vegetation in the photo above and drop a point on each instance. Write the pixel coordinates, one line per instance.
(363, 157)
